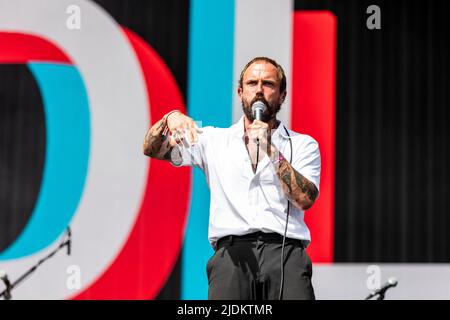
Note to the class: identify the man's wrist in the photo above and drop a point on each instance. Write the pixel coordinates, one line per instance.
(276, 156)
(164, 119)
(166, 116)
(273, 155)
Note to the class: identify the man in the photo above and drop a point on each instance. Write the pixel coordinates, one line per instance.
(262, 177)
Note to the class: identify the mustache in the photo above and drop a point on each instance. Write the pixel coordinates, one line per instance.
(259, 98)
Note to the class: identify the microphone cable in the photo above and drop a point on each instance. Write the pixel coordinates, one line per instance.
(285, 229)
(287, 217)
(257, 154)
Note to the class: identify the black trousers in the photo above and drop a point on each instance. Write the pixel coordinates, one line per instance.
(248, 268)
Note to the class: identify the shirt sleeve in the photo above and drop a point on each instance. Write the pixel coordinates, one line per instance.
(184, 154)
(308, 162)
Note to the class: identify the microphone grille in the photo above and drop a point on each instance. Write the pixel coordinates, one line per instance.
(259, 105)
(392, 281)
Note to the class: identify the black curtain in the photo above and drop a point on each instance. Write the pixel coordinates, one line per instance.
(22, 149)
(392, 143)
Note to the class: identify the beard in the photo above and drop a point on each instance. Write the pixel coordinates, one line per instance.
(270, 112)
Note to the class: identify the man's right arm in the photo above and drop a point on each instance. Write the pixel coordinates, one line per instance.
(156, 142)
(167, 133)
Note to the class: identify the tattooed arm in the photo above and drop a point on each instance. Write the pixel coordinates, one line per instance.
(156, 142)
(299, 190)
(168, 132)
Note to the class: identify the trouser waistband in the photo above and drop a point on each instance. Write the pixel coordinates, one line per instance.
(272, 237)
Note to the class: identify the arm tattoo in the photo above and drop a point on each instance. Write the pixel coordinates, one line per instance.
(306, 186)
(286, 178)
(156, 142)
(297, 188)
(167, 155)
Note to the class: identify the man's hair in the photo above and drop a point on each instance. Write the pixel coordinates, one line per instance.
(281, 74)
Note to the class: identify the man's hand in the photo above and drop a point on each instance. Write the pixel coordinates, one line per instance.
(172, 129)
(181, 127)
(259, 130)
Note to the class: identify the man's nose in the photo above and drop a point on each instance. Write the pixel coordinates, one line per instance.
(259, 87)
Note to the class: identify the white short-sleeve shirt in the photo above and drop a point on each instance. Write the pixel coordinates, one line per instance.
(243, 202)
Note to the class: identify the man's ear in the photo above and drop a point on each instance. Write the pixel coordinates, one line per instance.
(239, 92)
(283, 97)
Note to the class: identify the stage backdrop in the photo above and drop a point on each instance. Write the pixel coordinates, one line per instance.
(81, 81)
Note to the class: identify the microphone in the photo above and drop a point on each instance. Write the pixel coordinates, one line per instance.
(4, 278)
(258, 108)
(392, 282)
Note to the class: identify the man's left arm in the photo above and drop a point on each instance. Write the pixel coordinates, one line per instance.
(299, 190)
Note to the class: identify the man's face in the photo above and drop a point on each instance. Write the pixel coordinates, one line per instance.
(260, 82)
